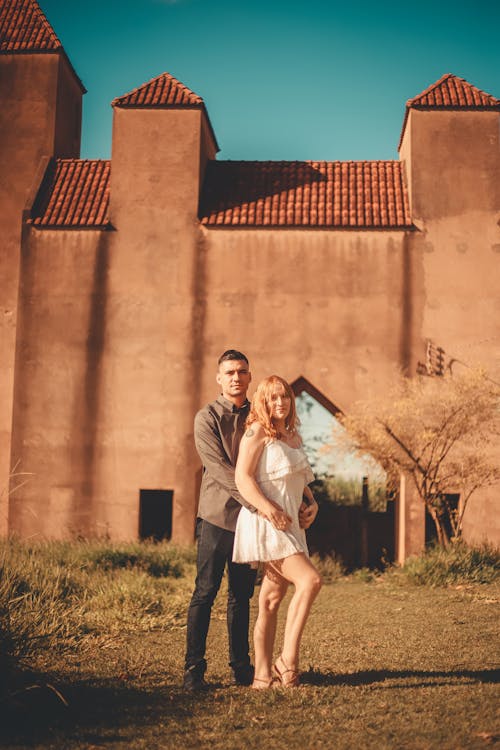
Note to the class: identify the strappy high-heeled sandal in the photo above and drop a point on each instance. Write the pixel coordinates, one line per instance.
(264, 683)
(288, 677)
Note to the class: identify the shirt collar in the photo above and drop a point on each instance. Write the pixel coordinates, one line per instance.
(232, 407)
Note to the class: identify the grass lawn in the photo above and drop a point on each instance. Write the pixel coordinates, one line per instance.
(387, 664)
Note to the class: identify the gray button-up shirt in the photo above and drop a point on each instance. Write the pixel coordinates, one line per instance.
(218, 429)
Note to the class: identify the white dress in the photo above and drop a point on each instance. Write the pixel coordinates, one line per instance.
(282, 474)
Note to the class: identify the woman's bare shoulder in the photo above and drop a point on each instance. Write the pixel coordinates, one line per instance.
(255, 432)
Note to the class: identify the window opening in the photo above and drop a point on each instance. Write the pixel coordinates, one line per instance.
(155, 514)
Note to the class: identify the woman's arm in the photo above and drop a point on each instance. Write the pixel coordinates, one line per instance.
(251, 447)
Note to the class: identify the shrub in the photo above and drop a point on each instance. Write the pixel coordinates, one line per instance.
(457, 564)
(365, 575)
(330, 568)
(157, 560)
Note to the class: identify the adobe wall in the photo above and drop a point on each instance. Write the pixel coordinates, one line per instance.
(57, 416)
(119, 337)
(108, 357)
(29, 95)
(99, 386)
(68, 119)
(341, 308)
(455, 193)
(462, 314)
(334, 307)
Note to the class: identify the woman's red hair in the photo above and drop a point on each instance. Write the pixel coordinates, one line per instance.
(260, 410)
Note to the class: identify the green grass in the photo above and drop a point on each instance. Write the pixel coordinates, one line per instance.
(387, 664)
(55, 596)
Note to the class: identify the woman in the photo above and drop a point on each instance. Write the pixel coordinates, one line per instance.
(272, 473)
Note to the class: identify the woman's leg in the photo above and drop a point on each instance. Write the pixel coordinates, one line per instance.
(273, 589)
(300, 571)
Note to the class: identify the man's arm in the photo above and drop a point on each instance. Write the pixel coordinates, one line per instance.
(213, 456)
(308, 509)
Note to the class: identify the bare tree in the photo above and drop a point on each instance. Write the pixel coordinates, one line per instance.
(442, 432)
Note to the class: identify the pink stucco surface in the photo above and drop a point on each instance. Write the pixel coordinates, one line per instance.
(111, 328)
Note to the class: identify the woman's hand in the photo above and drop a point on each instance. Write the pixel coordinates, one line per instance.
(307, 513)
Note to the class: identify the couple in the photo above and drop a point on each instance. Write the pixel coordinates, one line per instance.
(254, 507)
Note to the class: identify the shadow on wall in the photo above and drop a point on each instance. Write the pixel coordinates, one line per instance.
(88, 397)
(231, 184)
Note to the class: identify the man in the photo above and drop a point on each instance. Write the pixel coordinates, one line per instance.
(218, 429)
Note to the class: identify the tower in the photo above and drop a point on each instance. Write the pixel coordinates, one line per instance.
(450, 147)
(162, 141)
(40, 117)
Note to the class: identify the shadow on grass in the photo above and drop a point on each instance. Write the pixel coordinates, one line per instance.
(406, 678)
(88, 712)
(103, 712)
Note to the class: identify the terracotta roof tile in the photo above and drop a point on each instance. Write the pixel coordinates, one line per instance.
(450, 92)
(453, 92)
(74, 194)
(162, 91)
(350, 195)
(24, 27)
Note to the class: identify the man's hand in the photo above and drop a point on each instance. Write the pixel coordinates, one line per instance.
(307, 514)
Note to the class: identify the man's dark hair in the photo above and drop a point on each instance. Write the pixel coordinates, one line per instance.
(231, 354)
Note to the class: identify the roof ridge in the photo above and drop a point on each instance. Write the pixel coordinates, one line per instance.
(155, 94)
(429, 88)
(24, 26)
(60, 159)
(459, 95)
(306, 161)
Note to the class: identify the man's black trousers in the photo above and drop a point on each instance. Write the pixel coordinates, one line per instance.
(215, 550)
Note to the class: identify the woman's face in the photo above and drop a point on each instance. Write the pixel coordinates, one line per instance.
(279, 403)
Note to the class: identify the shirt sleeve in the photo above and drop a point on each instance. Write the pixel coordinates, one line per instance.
(213, 457)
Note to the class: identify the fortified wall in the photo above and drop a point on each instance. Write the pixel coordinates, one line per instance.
(122, 281)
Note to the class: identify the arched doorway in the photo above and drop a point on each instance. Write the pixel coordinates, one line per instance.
(356, 518)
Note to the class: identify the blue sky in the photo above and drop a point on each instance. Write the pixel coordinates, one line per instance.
(281, 80)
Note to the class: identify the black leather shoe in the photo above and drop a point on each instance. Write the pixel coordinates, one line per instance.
(194, 680)
(243, 675)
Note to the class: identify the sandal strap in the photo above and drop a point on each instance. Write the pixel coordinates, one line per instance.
(268, 681)
(294, 679)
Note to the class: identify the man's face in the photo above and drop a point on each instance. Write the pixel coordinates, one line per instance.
(234, 378)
